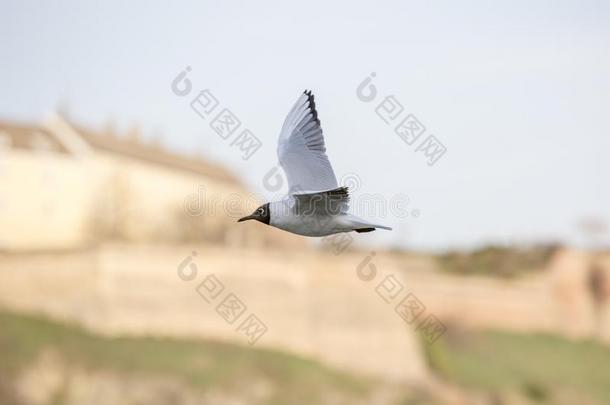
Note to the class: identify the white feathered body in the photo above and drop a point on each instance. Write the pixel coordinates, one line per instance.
(284, 216)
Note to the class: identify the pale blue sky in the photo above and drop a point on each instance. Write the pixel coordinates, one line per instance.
(518, 93)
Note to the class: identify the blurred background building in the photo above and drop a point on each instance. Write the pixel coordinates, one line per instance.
(67, 187)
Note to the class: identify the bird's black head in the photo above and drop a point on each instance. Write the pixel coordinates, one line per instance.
(261, 214)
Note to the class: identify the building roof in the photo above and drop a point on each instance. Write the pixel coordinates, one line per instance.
(29, 137)
(153, 153)
(32, 137)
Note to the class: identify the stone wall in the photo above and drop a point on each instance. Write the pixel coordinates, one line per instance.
(337, 309)
(311, 304)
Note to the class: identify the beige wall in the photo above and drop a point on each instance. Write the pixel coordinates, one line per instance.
(43, 199)
(558, 299)
(313, 305)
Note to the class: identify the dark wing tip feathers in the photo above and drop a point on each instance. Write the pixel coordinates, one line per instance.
(312, 105)
(341, 193)
(362, 230)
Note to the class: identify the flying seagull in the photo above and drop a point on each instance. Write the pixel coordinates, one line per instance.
(315, 205)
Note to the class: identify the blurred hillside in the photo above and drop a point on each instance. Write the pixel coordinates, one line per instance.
(44, 363)
(49, 363)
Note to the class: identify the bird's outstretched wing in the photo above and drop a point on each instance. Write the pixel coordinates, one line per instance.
(301, 150)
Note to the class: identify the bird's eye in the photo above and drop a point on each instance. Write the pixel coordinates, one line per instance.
(260, 210)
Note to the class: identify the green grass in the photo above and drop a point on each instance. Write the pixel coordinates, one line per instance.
(535, 365)
(201, 364)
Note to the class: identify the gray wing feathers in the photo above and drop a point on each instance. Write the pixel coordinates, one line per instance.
(333, 202)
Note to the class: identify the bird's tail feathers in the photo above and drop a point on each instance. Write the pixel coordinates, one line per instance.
(387, 228)
(360, 225)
